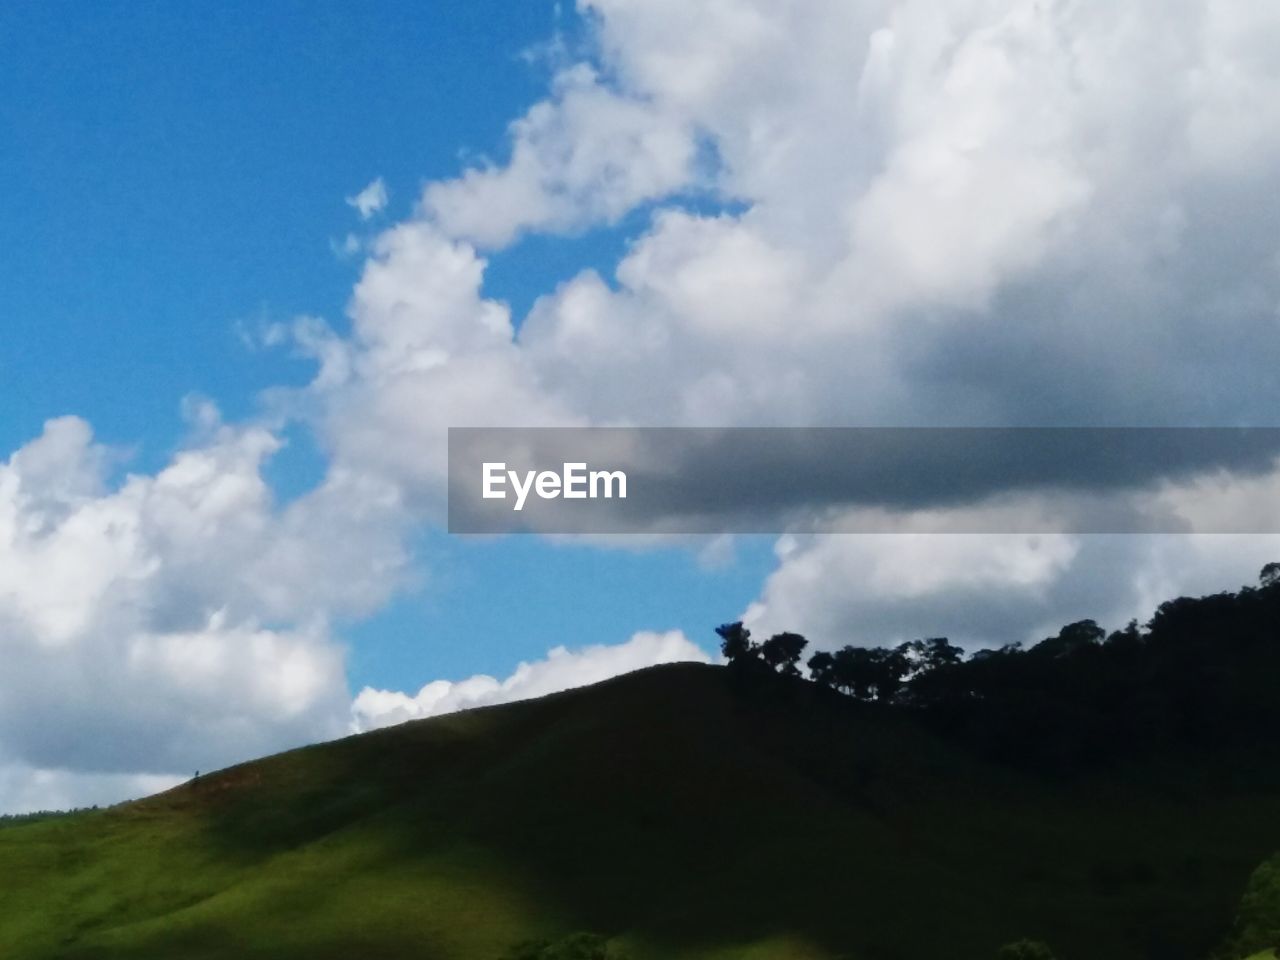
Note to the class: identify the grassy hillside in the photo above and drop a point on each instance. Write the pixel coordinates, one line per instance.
(674, 811)
(1257, 924)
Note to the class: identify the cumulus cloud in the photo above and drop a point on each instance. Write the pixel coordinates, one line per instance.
(990, 589)
(427, 351)
(561, 669)
(978, 212)
(909, 212)
(180, 619)
(587, 155)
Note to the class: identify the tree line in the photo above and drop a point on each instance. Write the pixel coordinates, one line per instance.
(1202, 670)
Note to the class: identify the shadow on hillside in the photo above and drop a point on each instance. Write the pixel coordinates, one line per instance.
(683, 806)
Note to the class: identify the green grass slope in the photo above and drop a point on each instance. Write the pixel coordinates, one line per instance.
(1257, 924)
(675, 813)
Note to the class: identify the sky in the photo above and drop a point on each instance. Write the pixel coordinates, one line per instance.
(259, 257)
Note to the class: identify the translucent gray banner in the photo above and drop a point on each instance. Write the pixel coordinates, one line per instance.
(864, 479)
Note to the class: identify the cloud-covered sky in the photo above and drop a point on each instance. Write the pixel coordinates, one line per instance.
(960, 213)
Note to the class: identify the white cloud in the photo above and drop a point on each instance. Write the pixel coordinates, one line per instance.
(369, 201)
(28, 789)
(347, 247)
(975, 212)
(995, 588)
(562, 669)
(427, 352)
(176, 620)
(990, 589)
(589, 154)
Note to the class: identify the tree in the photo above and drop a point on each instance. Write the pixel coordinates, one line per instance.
(848, 673)
(735, 643)
(1270, 575)
(782, 652)
(822, 669)
(931, 654)
(856, 671)
(888, 669)
(1074, 637)
(1129, 637)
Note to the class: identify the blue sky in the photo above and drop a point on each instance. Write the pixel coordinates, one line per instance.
(495, 602)
(182, 169)
(182, 177)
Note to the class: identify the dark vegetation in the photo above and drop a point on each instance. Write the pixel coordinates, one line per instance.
(914, 804)
(1202, 674)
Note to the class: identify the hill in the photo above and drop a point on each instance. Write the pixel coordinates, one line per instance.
(682, 812)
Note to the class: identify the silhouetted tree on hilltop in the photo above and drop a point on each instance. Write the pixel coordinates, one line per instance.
(1202, 671)
(736, 643)
(853, 672)
(1270, 575)
(932, 654)
(822, 669)
(782, 652)
(1071, 639)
